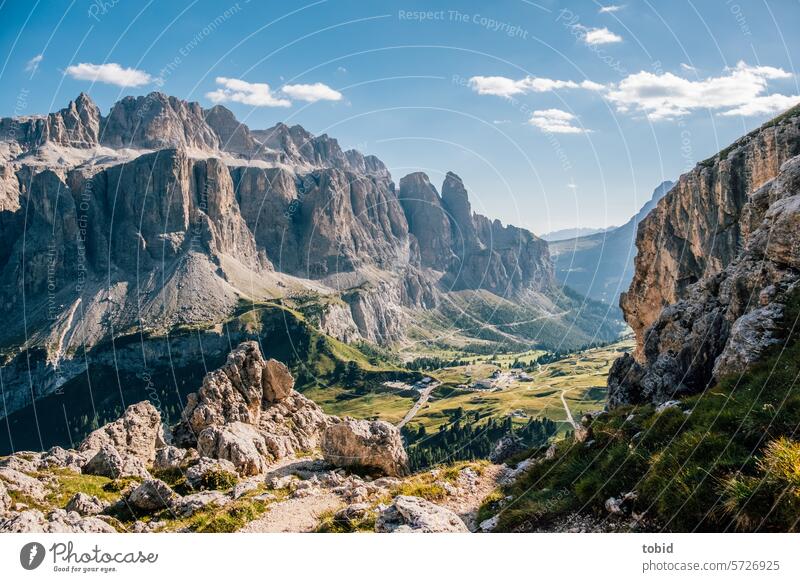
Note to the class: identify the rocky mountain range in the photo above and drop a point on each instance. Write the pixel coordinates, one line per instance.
(163, 216)
(568, 233)
(718, 258)
(600, 265)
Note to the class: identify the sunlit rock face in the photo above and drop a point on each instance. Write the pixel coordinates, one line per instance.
(717, 259)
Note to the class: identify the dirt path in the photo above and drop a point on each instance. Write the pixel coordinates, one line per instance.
(467, 502)
(570, 420)
(423, 398)
(299, 514)
(294, 515)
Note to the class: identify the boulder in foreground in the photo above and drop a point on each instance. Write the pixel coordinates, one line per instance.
(409, 514)
(375, 445)
(137, 433)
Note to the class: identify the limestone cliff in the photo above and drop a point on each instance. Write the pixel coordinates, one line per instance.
(696, 230)
(717, 258)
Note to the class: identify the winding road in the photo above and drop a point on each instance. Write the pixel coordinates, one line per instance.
(566, 409)
(424, 394)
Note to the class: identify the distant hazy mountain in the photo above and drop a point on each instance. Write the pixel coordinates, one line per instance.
(568, 233)
(600, 265)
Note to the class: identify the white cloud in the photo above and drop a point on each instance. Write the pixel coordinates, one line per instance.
(33, 65)
(686, 67)
(555, 121)
(238, 91)
(111, 73)
(766, 105)
(505, 87)
(610, 8)
(739, 91)
(592, 86)
(594, 36)
(312, 93)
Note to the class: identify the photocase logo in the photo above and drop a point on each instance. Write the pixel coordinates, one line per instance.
(31, 555)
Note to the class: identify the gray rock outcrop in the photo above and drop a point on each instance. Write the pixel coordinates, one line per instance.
(85, 504)
(367, 444)
(190, 504)
(137, 433)
(108, 462)
(152, 495)
(409, 514)
(248, 413)
(243, 445)
(23, 484)
(205, 467)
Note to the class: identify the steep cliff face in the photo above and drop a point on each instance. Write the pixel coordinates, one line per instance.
(346, 222)
(427, 221)
(696, 230)
(721, 252)
(151, 241)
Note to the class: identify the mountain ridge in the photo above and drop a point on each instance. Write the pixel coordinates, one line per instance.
(601, 265)
(142, 221)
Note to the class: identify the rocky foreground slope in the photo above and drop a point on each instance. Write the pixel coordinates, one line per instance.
(250, 453)
(162, 215)
(718, 258)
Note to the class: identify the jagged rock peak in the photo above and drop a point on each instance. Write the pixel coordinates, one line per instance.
(156, 121)
(474, 251)
(234, 136)
(77, 125)
(427, 220)
(301, 147)
(456, 202)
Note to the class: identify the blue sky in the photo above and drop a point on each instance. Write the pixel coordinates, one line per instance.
(555, 114)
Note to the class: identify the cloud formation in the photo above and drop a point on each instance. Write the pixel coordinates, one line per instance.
(555, 121)
(262, 95)
(610, 8)
(111, 73)
(738, 91)
(238, 91)
(505, 87)
(312, 93)
(33, 65)
(766, 105)
(595, 36)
